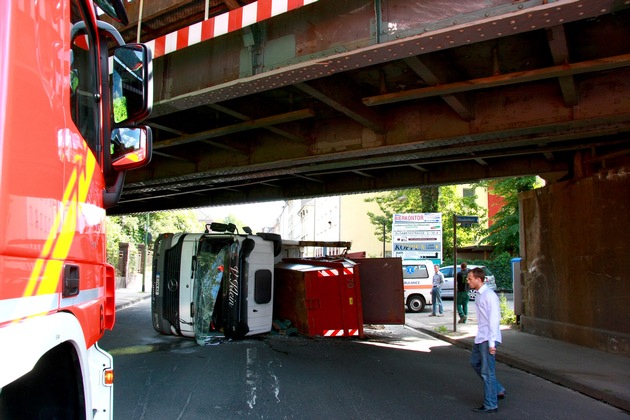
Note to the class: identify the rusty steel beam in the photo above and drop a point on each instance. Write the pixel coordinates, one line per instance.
(339, 97)
(602, 64)
(236, 128)
(458, 102)
(284, 133)
(560, 53)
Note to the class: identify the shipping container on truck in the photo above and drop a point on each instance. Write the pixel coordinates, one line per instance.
(68, 133)
(217, 281)
(320, 296)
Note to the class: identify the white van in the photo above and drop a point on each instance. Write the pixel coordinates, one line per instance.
(417, 282)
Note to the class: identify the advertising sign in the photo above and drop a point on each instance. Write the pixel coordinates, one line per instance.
(417, 236)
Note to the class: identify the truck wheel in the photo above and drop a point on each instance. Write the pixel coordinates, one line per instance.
(416, 303)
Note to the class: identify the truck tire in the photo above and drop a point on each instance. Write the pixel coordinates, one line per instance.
(416, 303)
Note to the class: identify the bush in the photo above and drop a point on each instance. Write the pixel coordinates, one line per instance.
(507, 315)
(501, 267)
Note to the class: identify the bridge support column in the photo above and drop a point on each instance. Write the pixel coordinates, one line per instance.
(575, 237)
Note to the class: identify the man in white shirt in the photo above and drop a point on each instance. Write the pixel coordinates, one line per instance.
(488, 337)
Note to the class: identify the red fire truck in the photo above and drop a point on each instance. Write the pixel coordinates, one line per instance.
(71, 96)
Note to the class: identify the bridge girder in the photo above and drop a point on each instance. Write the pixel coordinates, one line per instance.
(362, 95)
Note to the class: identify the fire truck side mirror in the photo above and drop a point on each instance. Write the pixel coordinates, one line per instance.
(132, 84)
(114, 9)
(130, 147)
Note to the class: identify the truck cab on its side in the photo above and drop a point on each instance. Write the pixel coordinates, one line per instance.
(217, 281)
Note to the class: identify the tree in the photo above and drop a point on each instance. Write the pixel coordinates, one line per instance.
(132, 229)
(428, 200)
(504, 232)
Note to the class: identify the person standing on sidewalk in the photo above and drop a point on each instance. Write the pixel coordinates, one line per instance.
(462, 293)
(484, 351)
(436, 292)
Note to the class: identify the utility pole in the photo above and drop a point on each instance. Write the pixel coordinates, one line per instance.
(465, 221)
(384, 236)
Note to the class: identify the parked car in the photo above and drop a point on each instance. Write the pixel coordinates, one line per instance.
(447, 288)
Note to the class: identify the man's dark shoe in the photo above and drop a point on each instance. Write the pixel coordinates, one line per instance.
(502, 395)
(483, 409)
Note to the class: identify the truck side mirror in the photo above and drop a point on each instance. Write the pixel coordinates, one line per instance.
(132, 87)
(130, 147)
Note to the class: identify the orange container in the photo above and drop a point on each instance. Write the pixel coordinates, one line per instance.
(321, 297)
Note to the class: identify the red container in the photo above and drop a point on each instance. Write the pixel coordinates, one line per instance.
(321, 297)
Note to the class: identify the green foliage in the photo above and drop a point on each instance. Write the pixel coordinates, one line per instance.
(500, 265)
(230, 218)
(504, 232)
(507, 315)
(429, 200)
(441, 329)
(120, 109)
(132, 229)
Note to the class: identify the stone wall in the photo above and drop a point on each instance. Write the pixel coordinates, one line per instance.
(575, 245)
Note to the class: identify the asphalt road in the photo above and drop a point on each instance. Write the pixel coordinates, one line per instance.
(396, 373)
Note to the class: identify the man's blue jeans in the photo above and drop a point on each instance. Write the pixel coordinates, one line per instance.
(483, 362)
(436, 299)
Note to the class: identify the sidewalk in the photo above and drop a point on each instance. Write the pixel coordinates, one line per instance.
(595, 373)
(131, 295)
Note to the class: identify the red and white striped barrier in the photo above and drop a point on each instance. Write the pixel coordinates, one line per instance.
(222, 24)
(334, 272)
(341, 333)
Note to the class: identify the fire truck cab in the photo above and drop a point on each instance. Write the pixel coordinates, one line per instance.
(71, 96)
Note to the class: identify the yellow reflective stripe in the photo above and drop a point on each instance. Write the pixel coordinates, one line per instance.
(49, 265)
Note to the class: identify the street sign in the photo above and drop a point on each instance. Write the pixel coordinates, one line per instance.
(467, 219)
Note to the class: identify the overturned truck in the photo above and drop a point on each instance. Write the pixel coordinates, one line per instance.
(219, 281)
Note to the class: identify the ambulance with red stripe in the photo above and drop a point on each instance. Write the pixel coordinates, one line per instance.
(417, 283)
(71, 96)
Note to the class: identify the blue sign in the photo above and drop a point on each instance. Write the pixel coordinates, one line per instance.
(467, 219)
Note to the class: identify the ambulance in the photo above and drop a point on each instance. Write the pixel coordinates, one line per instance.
(417, 283)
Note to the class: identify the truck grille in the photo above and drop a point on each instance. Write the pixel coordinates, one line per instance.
(170, 285)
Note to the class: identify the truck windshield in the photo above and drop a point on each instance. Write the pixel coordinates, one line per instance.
(213, 262)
